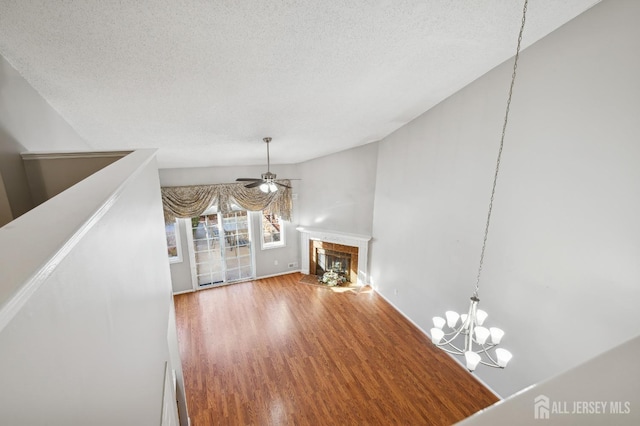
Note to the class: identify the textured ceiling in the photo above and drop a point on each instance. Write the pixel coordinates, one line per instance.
(204, 81)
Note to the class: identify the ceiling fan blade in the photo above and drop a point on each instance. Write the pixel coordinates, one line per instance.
(248, 179)
(254, 184)
(282, 184)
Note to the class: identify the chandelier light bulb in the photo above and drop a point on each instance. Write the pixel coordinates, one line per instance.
(438, 322)
(496, 335)
(504, 356)
(481, 335)
(452, 318)
(463, 318)
(473, 359)
(481, 316)
(436, 335)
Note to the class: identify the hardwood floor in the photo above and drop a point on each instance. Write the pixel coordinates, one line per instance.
(275, 351)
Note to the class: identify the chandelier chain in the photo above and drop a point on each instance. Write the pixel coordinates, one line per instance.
(504, 130)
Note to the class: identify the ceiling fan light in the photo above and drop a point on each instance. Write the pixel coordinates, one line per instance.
(264, 188)
(272, 187)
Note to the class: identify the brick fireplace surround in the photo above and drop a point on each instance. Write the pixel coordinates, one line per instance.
(355, 244)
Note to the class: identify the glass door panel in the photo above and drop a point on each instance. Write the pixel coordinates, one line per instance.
(238, 253)
(221, 248)
(207, 252)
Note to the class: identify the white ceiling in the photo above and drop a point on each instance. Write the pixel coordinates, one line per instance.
(204, 81)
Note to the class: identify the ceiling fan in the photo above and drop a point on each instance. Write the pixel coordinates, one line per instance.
(267, 182)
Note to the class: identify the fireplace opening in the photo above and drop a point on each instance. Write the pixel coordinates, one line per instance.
(325, 256)
(329, 260)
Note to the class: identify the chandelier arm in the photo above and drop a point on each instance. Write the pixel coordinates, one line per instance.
(489, 356)
(484, 349)
(454, 333)
(485, 346)
(457, 351)
(490, 365)
(448, 342)
(504, 130)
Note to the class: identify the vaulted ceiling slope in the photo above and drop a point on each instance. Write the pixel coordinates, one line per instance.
(204, 81)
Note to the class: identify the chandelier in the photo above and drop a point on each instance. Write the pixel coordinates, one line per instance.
(465, 334)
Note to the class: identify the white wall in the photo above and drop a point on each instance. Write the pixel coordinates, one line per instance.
(265, 259)
(48, 174)
(6, 215)
(176, 364)
(26, 119)
(561, 269)
(337, 191)
(85, 299)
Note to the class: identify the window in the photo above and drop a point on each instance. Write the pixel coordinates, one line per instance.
(174, 250)
(272, 230)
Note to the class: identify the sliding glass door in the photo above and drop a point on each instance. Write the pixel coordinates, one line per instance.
(221, 249)
(237, 254)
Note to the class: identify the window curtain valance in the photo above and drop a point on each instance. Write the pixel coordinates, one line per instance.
(191, 201)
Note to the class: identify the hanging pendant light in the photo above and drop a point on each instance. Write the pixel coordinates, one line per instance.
(465, 334)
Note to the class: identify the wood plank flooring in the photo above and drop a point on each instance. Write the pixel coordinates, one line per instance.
(277, 352)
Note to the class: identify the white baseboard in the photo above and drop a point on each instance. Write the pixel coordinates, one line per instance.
(278, 274)
(238, 282)
(183, 292)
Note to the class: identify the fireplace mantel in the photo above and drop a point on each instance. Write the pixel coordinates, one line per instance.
(344, 238)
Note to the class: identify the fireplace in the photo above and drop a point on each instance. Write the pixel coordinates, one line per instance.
(355, 245)
(325, 256)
